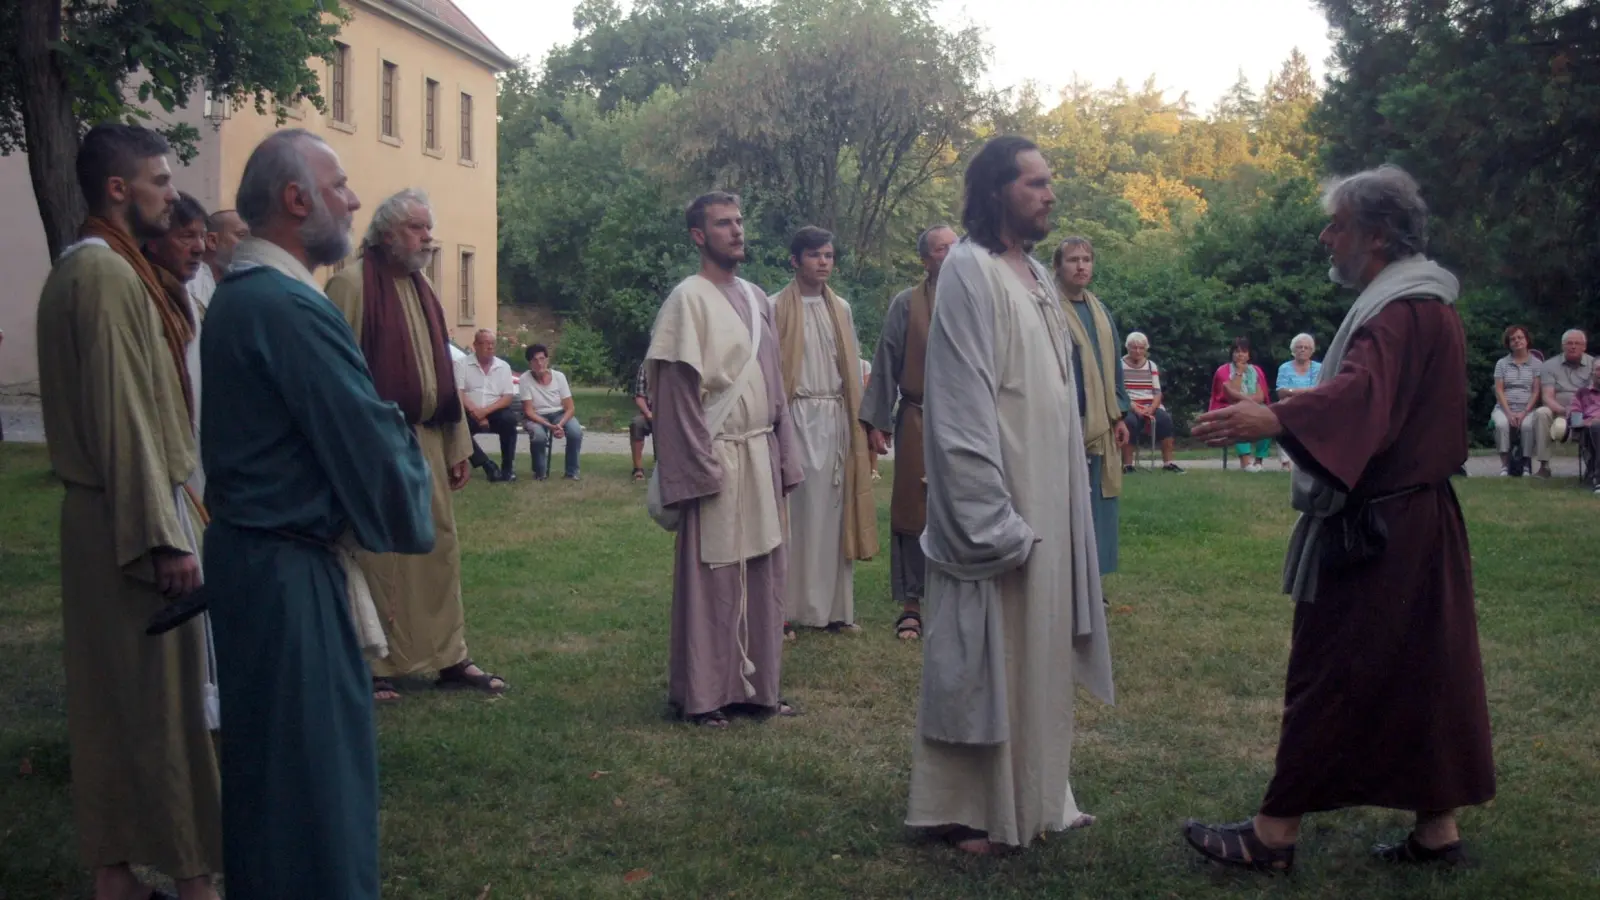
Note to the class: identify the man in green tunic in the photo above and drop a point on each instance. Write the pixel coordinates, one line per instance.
(117, 419)
(401, 330)
(303, 461)
(1102, 399)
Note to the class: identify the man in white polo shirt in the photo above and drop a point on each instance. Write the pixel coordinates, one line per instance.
(488, 394)
(547, 414)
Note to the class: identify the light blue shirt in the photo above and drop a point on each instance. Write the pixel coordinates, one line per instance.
(1294, 381)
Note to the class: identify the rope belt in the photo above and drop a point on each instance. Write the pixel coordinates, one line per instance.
(747, 667)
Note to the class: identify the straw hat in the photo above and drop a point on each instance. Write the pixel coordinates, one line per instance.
(1558, 429)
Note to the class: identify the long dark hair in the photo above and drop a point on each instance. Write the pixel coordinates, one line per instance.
(983, 210)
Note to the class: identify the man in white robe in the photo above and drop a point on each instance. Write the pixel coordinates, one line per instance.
(1012, 610)
(832, 515)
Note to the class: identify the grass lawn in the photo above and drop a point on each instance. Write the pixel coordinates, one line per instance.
(604, 409)
(574, 786)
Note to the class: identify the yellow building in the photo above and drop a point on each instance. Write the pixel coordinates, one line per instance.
(410, 102)
(411, 99)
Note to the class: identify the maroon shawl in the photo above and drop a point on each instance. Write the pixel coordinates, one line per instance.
(386, 343)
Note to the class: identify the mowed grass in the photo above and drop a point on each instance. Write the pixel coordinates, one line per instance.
(575, 785)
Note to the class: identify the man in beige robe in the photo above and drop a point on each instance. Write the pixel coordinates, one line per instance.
(833, 519)
(726, 461)
(400, 326)
(118, 420)
(892, 410)
(1012, 617)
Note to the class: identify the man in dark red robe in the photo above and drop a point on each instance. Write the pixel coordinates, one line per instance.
(1384, 703)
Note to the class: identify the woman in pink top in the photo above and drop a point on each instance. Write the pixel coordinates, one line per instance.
(1583, 416)
(1240, 380)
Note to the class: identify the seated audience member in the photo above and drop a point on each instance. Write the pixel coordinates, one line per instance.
(643, 424)
(547, 414)
(1296, 376)
(1516, 393)
(1583, 415)
(488, 393)
(1559, 379)
(1141, 378)
(1237, 381)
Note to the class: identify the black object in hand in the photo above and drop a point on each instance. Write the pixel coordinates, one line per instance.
(178, 612)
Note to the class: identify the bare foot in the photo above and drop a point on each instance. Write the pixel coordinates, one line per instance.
(1084, 820)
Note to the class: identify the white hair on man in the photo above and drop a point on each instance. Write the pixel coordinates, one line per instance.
(1574, 333)
(1385, 203)
(277, 162)
(390, 216)
(1133, 338)
(1303, 338)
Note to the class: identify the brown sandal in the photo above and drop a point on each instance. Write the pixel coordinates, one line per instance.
(384, 686)
(1238, 845)
(1411, 851)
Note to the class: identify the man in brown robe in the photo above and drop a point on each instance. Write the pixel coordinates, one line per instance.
(727, 483)
(118, 417)
(898, 375)
(401, 328)
(1384, 703)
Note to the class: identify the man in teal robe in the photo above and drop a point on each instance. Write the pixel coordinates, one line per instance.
(299, 451)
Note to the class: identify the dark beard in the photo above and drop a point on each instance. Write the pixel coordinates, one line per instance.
(144, 229)
(722, 261)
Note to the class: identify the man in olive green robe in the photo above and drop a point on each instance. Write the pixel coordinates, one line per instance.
(401, 329)
(117, 417)
(303, 460)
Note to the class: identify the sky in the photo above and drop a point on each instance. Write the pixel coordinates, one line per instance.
(1198, 46)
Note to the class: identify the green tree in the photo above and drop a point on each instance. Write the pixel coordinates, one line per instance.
(1494, 106)
(844, 112)
(84, 61)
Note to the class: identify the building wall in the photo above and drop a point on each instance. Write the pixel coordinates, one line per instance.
(463, 192)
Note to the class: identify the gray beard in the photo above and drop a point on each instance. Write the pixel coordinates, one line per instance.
(1348, 279)
(325, 238)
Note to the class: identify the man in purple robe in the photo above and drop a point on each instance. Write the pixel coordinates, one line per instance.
(725, 463)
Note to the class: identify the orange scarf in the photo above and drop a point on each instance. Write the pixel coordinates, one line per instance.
(174, 310)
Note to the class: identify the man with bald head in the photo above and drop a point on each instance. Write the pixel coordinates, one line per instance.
(401, 328)
(221, 233)
(490, 396)
(305, 464)
(892, 409)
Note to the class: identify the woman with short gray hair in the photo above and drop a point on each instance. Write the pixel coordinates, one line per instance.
(1296, 376)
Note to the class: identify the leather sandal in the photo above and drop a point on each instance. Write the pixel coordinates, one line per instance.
(1411, 852)
(1237, 845)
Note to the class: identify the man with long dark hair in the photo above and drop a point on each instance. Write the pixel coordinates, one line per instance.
(1012, 610)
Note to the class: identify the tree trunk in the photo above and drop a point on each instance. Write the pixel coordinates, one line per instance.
(47, 122)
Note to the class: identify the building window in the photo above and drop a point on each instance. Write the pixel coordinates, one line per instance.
(341, 86)
(466, 126)
(390, 74)
(465, 287)
(430, 120)
(432, 270)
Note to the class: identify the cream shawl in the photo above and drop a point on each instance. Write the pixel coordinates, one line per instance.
(697, 326)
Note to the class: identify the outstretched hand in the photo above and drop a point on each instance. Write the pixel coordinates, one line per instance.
(1244, 421)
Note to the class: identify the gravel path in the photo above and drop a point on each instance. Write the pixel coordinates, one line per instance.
(23, 424)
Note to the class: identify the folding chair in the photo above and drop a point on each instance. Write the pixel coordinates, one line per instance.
(1588, 456)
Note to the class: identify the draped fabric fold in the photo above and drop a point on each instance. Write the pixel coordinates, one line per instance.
(1100, 412)
(386, 343)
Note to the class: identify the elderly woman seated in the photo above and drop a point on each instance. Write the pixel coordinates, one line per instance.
(1142, 380)
(1298, 375)
(1516, 393)
(1583, 418)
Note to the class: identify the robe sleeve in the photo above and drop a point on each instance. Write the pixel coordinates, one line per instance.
(1336, 430)
(877, 405)
(345, 290)
(120, 360)
(363, 443)
(689, 469)
(974, 531)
